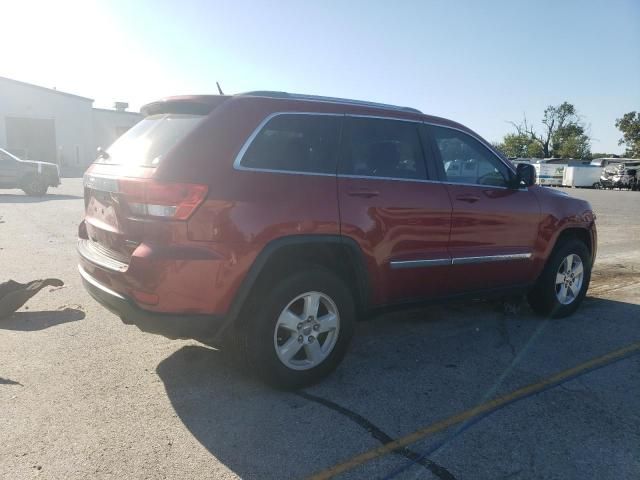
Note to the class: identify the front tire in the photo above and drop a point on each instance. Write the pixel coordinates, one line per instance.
(297, 332)
(564, 281)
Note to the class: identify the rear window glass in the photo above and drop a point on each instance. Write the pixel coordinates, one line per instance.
(149, 140)
(300, 143)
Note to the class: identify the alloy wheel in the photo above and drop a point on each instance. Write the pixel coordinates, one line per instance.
(569, 279)
(307, 331)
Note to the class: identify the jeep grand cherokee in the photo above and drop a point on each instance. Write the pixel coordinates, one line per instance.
(276, 220)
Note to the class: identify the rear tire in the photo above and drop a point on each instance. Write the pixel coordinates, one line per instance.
(296, 332)
(564, 281)
(35, 187)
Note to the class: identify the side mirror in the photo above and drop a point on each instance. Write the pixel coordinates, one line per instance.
(525, 175)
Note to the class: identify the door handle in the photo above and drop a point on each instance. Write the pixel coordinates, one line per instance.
(468, 198)
(363, 193)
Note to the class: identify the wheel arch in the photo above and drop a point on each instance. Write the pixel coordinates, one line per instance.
(284, 255)
(578, 232)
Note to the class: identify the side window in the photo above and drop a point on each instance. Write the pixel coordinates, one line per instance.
(466, 160)
(300, 143)
(383, 148)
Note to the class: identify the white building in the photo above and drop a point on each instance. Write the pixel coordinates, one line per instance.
(40, 123)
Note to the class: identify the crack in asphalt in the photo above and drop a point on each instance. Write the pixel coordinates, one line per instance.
(503, 331)
(439, 471)
(510, 307)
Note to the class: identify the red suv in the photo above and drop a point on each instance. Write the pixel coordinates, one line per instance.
(278, 219)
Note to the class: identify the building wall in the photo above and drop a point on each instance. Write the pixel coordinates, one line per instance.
(71, 115)
(108, 125)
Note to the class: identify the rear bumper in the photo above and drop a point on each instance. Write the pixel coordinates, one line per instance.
(170, 325)
(162, 278)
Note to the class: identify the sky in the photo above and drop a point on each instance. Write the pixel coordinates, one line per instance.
(479, 63)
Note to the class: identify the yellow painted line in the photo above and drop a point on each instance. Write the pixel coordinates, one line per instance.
(474, 412)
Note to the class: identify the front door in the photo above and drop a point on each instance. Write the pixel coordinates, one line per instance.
(399, 218)
(494, 226)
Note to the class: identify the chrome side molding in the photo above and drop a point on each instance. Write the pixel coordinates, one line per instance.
(438, 262)
(491, 258)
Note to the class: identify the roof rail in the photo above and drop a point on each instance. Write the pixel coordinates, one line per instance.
(318, 98)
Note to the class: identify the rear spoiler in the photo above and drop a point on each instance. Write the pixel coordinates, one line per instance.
(190, 105)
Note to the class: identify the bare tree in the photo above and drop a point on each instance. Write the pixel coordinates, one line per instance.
(559, 123)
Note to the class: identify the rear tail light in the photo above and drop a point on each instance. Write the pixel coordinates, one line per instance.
(149, 198)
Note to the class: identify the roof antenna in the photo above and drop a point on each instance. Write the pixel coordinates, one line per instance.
(219, 89)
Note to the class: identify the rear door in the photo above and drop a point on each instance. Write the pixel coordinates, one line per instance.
(494, 226)
(400, 219)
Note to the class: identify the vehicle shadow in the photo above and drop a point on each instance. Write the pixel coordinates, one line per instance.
(27, 321)
(235, 417)
(426, 354)
(18, 198)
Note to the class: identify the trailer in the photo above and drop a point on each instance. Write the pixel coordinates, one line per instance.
(550, 174)
(581, 176)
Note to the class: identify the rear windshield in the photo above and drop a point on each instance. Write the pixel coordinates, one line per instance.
(149, 140)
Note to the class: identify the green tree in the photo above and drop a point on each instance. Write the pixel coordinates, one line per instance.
(570, 141)
(520, 145)
(563, 133)
(629, 125)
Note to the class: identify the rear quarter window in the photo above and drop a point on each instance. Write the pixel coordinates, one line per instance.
(296, 143)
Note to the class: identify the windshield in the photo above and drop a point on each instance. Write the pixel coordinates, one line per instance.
(149, 140)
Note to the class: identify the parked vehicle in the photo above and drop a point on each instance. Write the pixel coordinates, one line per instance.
(564, 161)
(619, 176)
(276, 220)
(581, 176)
(31, 176)
(606, 178)
(549, 174)
(605, 162)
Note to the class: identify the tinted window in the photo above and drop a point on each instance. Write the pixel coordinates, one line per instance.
(150, 139)
(466, 160)
(301, 143)
(383, 148)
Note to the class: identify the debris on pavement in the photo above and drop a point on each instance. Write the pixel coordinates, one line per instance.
(13, 294)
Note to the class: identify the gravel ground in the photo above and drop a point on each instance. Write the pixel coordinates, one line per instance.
(84, 396)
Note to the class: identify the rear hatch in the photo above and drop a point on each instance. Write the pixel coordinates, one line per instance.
(122, 199)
